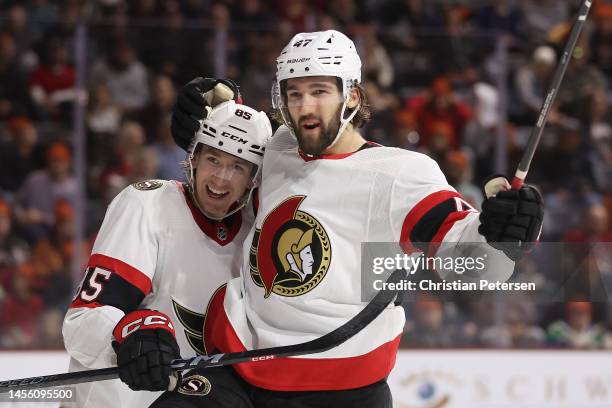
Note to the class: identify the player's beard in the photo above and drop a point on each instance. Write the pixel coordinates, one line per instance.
(327, 134)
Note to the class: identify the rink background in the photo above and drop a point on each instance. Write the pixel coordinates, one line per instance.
(440, 378)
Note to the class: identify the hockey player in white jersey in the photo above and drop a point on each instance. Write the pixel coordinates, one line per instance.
(163, 250)
(325, 190)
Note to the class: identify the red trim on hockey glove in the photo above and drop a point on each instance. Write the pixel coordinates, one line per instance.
(417, 212)
(126, 271)
(304, 374)
(142, 320)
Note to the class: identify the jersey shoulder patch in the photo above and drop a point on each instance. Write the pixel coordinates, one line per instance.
(148, 185)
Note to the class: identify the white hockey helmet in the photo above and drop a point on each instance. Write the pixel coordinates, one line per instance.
(237, 130)
(320, 53)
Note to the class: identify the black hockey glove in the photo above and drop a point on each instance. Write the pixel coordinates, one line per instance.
(194, 101)
(145, 345)
(511, 220)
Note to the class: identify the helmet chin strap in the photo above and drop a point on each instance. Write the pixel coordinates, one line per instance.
(343, 122)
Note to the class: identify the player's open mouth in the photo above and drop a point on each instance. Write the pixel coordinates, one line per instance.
(310, 125)
(217, 194)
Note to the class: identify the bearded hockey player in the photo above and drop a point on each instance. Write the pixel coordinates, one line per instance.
(163, 250)
(325, 190)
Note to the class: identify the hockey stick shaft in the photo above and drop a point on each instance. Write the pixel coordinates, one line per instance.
(328, 341)
(536, 133)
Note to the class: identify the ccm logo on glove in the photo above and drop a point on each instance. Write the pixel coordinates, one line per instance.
(140, 320)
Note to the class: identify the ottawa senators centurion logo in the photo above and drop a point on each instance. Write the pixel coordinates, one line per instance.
(291, 253)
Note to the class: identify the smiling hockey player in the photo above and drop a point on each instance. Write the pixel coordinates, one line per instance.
(163, 250)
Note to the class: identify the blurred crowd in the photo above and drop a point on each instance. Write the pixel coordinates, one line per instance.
(458, 80)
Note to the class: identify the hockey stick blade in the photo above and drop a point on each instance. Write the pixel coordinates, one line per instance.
(328, 341)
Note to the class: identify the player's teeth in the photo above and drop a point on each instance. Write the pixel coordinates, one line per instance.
(216, 191)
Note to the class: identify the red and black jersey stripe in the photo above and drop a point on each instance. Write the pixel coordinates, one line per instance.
(430, 220)
(111, 282)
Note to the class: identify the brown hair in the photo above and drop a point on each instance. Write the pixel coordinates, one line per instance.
(364, 114)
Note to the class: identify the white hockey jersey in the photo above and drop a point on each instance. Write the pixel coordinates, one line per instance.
(155, 250)
(301, 273)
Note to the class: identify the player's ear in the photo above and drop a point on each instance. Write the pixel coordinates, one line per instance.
(354, 98)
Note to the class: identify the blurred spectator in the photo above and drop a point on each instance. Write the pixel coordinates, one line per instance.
(583, 80)
(169, 155)
(601, 40)
(565, 208)
(593, 228)
(383, 105)
(540, 16)
(165, 48)
(439, 142)
(345, 12)
(146, 166)
(20, 312)
(296, 14)
(255, 86)
(518, 329)
(14, 96)
(253, 13)
(103, 115)
(456, 168)
(162, 100)
(439, 106)
(408, 21)
(578, 329)
(35, 201)
(20, 155)
(429, 329)
(459, 46)
(142, 9)
(17, 26)
(500, 15)
(52, 83)
(533, 78)
(13, 250)
(41, 14)
(376, 61)
(52, 257)
(601, 138)
(127, 145)
(125, 76)
(570, 151)
(483, 97)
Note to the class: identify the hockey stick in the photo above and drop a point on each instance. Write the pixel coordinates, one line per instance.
(497, 184)
(536, 133)
(328, 341)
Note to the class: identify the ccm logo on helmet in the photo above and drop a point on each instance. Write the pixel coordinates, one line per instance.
(152, 320)
(233, 137)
